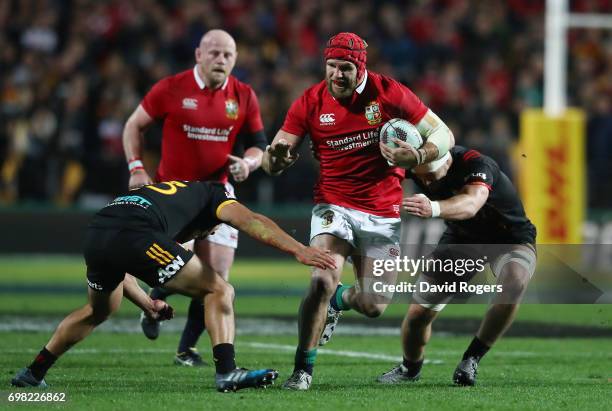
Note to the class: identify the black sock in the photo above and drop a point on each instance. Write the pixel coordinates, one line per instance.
(41, 364)
(414, 367)
(305, 359)
(224, 357)
(476, 349)
(159, 293)
(194, 327)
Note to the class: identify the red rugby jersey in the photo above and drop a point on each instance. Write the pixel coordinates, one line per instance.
(200, 124)
(345, 133)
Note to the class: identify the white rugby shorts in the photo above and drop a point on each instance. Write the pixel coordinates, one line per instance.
(370, 235)
(225, 234)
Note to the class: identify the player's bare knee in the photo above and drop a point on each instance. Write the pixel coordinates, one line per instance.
(374, 310)
(223, 294)
(322, 284)
(514, 285)
(417, 323)
(99, 315)
(101, 306)
(227, 291)
(221, 289)
(419, 318)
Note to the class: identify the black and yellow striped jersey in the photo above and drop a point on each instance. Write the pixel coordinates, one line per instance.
(183, 210)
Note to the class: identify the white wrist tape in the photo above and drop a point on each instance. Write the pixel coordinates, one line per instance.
(435, 205)
(435, 209)
(421, 155)
(435, 132)
(433, 165)
(135, 164)
(251, 162)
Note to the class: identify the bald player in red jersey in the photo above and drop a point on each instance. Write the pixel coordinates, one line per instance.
(358, 194)
(205, 111)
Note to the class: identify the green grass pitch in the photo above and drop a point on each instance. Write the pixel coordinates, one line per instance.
(125, 371)
(118, 370)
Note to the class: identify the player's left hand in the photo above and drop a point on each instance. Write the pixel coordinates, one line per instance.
(404, 155)
(161, 310)
(239, 168)
(418, 205)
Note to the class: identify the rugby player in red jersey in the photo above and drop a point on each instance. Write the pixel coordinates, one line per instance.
(205, 111)
(358, 194)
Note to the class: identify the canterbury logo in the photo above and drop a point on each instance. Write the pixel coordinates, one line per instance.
(190, 103)
(327, 118)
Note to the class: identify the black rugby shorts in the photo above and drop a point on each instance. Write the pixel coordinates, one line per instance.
(145, 253)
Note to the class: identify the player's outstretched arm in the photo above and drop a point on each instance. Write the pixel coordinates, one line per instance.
(267, 231)
(156, 309)
(280, 155)
(133, 138)
(462, 206)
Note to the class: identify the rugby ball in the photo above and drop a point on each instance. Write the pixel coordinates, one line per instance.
(402, 130)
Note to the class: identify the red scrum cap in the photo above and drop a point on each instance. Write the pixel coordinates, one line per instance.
(349, 47)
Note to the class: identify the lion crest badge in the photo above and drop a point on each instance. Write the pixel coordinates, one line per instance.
(231, 109)
(328, 218)
(372, 113)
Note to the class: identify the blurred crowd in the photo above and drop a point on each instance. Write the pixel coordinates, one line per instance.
(71, 72)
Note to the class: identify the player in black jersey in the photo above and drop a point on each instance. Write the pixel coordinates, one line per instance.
(140, 233)
(484, 216)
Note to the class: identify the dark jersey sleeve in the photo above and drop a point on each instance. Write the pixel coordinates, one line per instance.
(219, 198)
(478, 170)
(257, 139)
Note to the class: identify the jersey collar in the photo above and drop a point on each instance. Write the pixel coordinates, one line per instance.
(200, 81)
(361, 87)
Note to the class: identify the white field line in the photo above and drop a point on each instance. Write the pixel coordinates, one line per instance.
(337, 353)
(291, 348)
(256, 345)
(246, 326)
